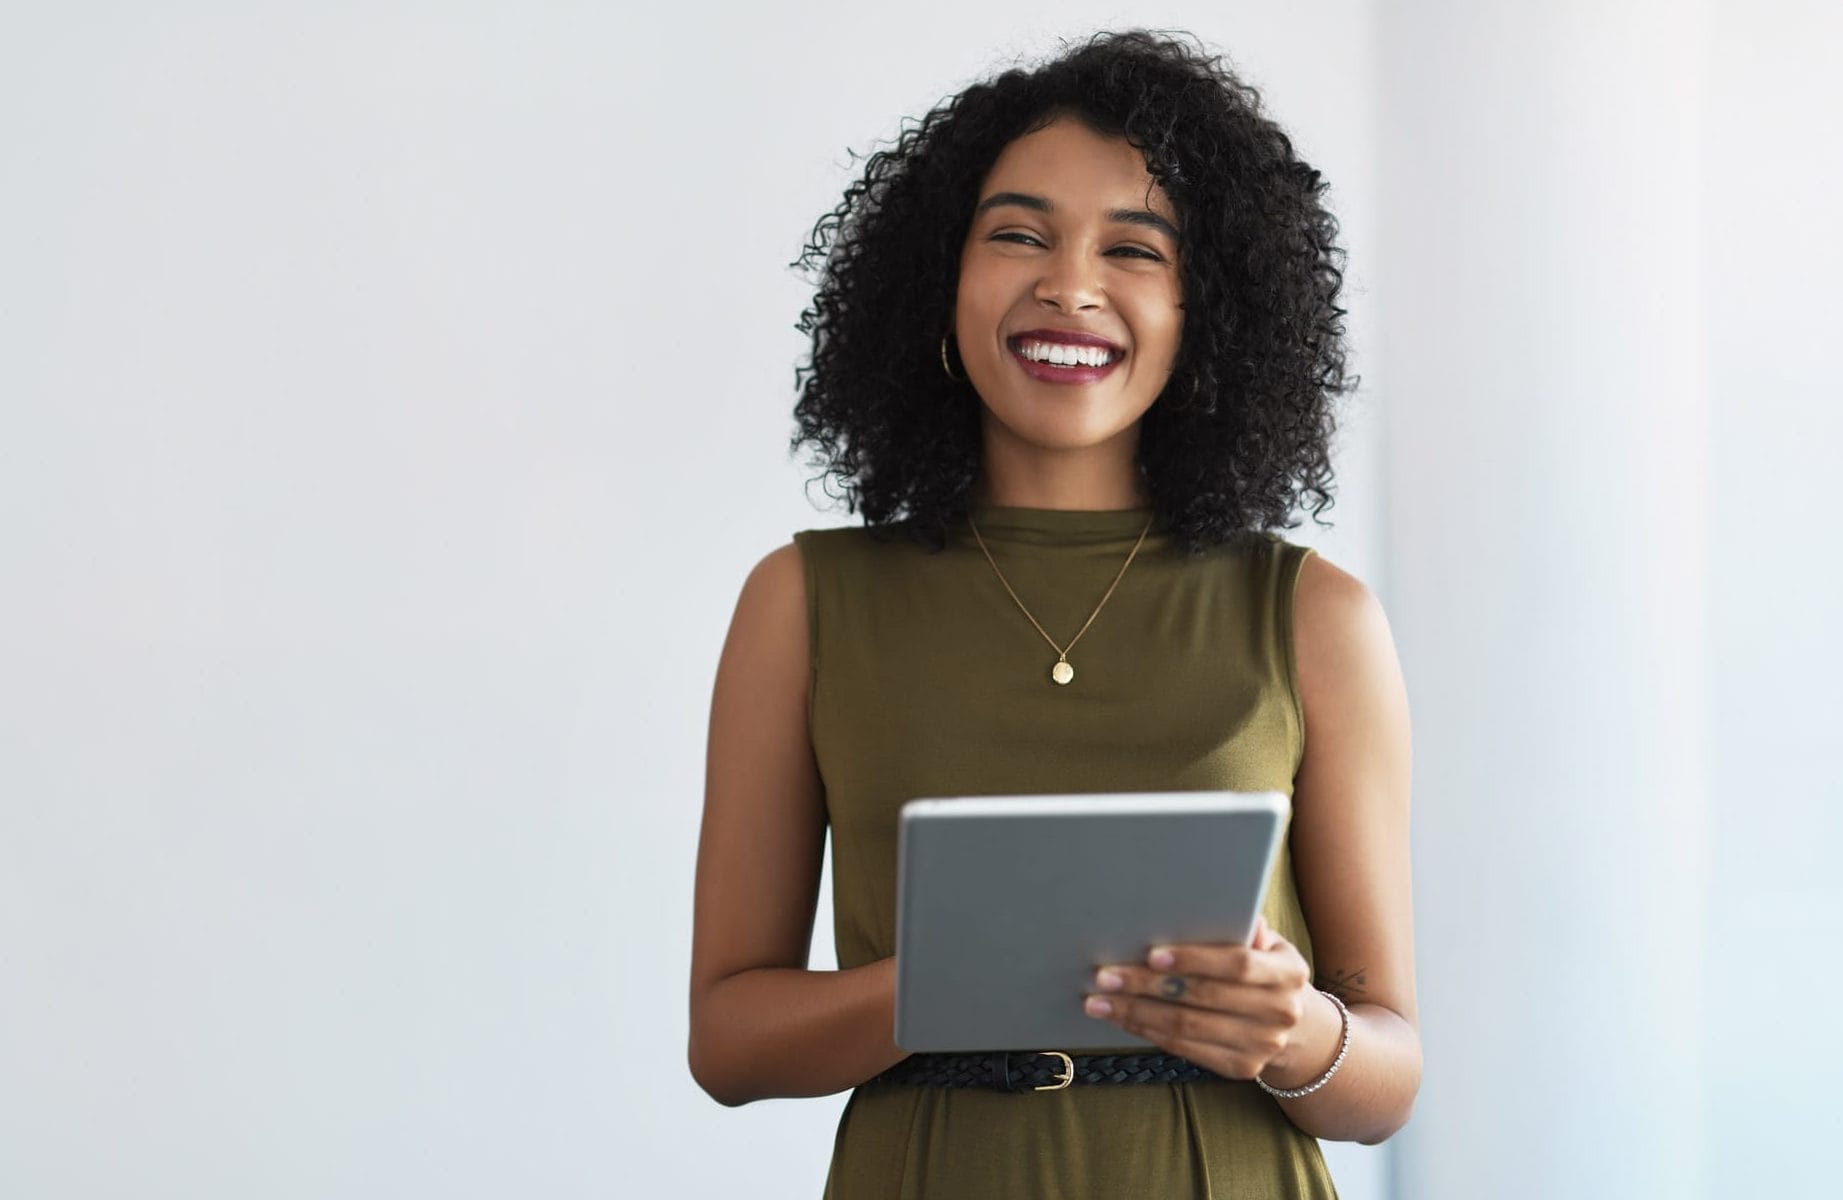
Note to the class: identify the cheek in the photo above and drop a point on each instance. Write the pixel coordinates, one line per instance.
(1162, 330)
(967, 313)
(980, 293)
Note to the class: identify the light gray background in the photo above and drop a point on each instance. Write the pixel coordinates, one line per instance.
(393, 397)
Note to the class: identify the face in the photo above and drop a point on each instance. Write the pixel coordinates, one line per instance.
(1068, 312)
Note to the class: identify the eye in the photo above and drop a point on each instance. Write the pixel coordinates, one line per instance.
(1012, 235)
(1136, 252)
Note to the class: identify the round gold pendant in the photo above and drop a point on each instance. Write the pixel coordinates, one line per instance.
(1062, 672)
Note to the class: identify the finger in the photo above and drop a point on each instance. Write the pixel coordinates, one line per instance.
(1220, 1041)
(1264, 936)
(1198, 991)
(1281, 966)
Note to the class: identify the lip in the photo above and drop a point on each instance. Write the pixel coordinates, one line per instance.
(1048, 373)
(1067, 337)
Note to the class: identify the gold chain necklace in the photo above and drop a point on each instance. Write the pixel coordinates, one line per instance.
(1062, 672)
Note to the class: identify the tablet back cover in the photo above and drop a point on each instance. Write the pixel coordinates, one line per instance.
(1007, 904)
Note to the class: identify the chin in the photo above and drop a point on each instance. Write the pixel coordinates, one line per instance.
(1062, 431)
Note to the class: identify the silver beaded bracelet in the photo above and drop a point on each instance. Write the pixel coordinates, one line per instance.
(1322, 1080)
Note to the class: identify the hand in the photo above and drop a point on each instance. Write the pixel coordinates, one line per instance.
(1232, 1009)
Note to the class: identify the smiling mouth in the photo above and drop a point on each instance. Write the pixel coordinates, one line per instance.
(1063, 354)
(1061, 362)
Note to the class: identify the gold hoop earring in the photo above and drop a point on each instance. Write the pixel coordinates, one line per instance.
(944, 366)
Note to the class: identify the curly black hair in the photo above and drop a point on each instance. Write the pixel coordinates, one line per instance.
(1240, 437)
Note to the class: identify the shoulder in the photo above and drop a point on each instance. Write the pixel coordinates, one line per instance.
(854, 548)
(893, 534)
(765, 654)
(1342, 642)
(780, 582)
(788, 567)
(773, 598)
(1331, 603)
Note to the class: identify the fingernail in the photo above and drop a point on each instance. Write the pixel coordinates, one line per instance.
(1097, 1007)
(1161, 957)
(1110, 980)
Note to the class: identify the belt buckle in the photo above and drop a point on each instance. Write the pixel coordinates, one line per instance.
(1064, 1079)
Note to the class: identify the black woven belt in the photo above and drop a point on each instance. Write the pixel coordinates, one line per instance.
(1040, 1070)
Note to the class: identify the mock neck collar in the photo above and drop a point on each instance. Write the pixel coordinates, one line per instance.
(1060, 526)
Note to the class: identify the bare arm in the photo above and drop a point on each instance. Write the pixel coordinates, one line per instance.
(1350, 857)
(762, 1024)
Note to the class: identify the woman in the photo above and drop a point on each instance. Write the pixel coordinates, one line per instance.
(1075, 347)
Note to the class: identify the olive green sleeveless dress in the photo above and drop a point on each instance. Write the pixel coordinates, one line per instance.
(927, 680)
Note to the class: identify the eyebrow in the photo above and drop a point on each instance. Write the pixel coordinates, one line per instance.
(1126, 216)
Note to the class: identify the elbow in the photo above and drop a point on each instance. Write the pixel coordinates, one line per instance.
(1380, 1136)
(1398, 1121)
(1410, 1091)
(711, 1073)
(1366, 1129)
(714, 1068)
(713, 1082)
(728, 1099)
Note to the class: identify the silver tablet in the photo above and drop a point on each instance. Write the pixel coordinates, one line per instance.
(1007, 904)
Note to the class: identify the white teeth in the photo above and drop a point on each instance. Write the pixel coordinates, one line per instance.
(1057, 354)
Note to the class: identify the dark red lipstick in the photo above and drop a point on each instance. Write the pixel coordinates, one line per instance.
(1067, 337)
(1049, 372)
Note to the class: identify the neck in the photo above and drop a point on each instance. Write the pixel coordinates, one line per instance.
(1092, 478)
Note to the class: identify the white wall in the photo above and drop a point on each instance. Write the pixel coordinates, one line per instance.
(1607, 293)
(1773, 186)
(392, 400)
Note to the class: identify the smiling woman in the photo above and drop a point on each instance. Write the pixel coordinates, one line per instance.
(1069, 307)
(1075, 346)
(1194, 199)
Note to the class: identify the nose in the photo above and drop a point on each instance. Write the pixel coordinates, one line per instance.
(1070, 281)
